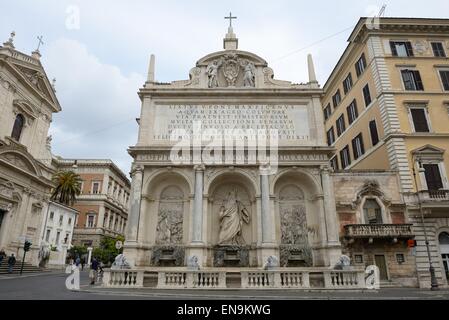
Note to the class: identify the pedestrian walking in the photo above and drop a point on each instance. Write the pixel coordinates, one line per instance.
(83, 262)
(11, 262)
(77, 261)
(2, 256)
(93, 271)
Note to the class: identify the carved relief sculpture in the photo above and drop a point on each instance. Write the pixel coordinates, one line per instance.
(232, 216)
(249, 75)
(231, 69)
(212, 73)
(170, 218)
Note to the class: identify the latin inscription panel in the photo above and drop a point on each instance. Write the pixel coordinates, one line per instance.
(290, 121)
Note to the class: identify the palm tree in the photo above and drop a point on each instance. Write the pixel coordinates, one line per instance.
(68, 187)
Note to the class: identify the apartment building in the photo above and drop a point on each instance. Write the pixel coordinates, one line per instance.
(103, 202)
(386, 107)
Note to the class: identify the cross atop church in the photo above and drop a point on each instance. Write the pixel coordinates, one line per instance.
(40, 42)
(230, 42)
(230, 19)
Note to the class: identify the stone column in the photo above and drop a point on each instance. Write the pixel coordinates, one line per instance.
(329, 205)
(197, 219)
(332, 224)
(100, 218)
(89, 257)
(134, 213)
(267, 223)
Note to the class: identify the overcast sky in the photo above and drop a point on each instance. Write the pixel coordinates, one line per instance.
(100, 57)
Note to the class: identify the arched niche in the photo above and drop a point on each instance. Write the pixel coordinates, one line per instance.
(297, 217)
(165, 210)
(220, 190)
(169, 228)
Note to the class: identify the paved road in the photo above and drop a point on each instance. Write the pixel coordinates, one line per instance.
(52, 286)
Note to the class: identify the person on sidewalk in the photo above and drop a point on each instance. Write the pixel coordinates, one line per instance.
(93, 271)
(11, 262)
(2, 256)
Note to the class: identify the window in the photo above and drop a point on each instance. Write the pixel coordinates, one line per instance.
(18, 127)
(345, 157)
(90, 221)
(341, 127)
(401, 48)
(400, 258)
(347, 83)
(360, 65)
(443, 239)
(330, 136)
(61, 219)
(52, 214)
(66, 237)
(412, 80)
(358, 258)
(95, 187)
(438, 49)
(334, 163)
(336, 99)
(69, 222)
(327, 112)
(357, 146)
(367, 95)
(373, 132)
(352, 112)
(433, 176)
(419, 118)
(58, 235)
(47, 235)
(445, 79)
(372, 211)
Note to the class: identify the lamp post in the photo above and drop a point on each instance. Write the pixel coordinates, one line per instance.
(433, 279)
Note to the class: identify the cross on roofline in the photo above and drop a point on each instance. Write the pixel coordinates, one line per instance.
(40, 42)
(230, 19)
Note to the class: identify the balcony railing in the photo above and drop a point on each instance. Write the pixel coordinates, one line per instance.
(434, 195)
(379, 231)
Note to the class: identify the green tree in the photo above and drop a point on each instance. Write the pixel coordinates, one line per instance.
(77, 251)
(107, 251)
(68, 187)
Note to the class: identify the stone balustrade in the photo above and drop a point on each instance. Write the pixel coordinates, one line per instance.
(123, 278)
(192, 280)
(283, 278)
(434, 195)
(379, 231)
(275, 279)
(344, 279)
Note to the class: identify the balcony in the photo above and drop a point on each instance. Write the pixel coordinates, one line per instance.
(434, 195)
(371, 231)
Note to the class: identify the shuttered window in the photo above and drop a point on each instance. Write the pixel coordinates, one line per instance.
(419, 119)
(412, 80)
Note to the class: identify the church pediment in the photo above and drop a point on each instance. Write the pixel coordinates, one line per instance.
(38, 80)
(21, 161)
(31, 72)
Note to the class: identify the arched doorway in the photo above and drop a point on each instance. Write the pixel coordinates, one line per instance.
(443, 239)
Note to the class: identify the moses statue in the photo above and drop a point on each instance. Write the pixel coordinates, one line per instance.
(232, 216)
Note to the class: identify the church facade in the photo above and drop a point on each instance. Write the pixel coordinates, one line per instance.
(231, 170)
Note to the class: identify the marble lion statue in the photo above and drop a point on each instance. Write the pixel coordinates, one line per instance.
(120, 262)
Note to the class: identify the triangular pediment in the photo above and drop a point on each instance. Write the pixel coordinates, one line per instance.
(37, 79)
(34, 76)
(428, 149)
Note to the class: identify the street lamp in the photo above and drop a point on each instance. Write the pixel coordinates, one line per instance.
(433, 279)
